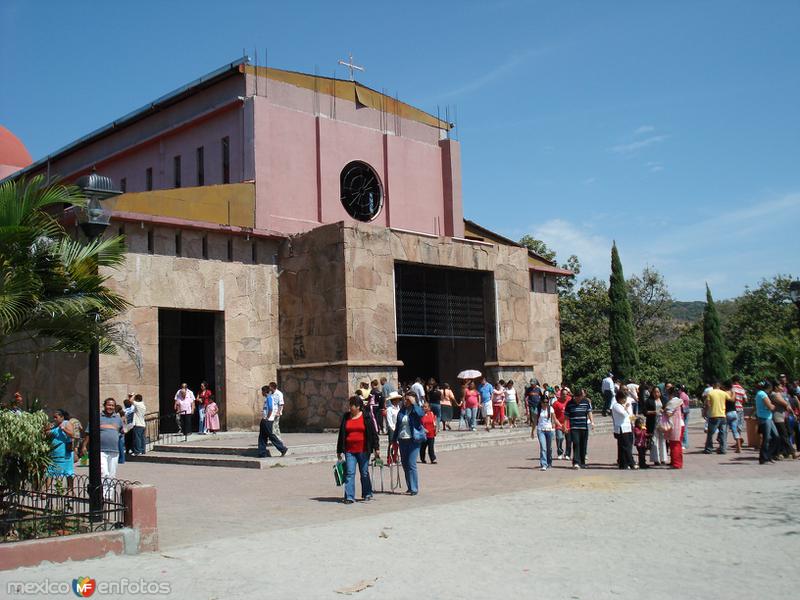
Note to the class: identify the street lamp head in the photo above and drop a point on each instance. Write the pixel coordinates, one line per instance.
(794, 292)
(100, 199)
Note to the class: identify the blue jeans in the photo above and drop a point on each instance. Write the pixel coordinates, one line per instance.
(265, 433)
(685, 440)
(201, 426)
(732, 418)
(470, 417)
(138, 440)
(769, 442)
(409, 455)
(360, 459)
(545, 448)
(714, 424)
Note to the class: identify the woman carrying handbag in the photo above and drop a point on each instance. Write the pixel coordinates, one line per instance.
(408, 436)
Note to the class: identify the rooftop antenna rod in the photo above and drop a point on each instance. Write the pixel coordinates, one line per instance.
(334, 95)
(316, 90)
(351, 66)
(255, 52)
(456, 130)
(447, 120)
(266, 72)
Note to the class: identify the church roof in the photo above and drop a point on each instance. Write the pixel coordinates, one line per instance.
(350, 90)
(339, 88)
(13, 152)
(536, 262)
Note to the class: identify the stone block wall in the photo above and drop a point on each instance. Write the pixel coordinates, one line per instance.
(312, 298)
(545, 337)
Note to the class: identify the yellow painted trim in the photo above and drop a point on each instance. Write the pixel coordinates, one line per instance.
(349, 90)
(230, 204)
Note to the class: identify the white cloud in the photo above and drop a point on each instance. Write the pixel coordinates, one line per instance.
(637, 145)
(654, 166)
(507, 66)
(568, 238)
(727, 249)
(589, 180)
(644, 129)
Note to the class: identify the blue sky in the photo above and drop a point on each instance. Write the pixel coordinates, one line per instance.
(671, 127)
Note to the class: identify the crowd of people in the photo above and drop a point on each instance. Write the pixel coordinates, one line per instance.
(648, 419)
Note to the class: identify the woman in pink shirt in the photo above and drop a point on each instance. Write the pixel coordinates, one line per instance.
(469, 405)
(499, 404)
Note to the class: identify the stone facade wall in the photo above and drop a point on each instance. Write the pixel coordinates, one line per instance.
(312, 298)
(246, 294)
(545, 337)
(338, 308)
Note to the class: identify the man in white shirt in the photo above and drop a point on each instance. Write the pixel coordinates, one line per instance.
(392, 410)
(277, 398)
(623, 431)
(184, 406)
(607, 389)
(419, 391)
(633, 394)
(139, 410)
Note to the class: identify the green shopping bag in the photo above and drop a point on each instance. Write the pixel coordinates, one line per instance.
(338, 473)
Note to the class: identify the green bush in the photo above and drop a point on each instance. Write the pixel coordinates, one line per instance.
(24, 448)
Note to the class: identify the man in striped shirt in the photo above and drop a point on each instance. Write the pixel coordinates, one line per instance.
(579, 413)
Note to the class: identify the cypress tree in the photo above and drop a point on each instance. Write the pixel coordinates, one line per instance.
(624, 354)
(715, 364)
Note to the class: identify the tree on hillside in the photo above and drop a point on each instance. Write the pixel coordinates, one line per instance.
(622, 342)
(715, 362)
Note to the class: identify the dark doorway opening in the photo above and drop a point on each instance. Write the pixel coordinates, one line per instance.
(190, 350)
(445, 321)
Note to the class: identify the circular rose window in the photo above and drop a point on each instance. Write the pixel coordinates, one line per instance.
(360, 191)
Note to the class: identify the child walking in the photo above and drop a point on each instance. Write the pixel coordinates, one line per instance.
(640, 440)
(212, 416)
(429, 423)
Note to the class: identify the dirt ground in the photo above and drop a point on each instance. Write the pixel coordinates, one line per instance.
(486, 524)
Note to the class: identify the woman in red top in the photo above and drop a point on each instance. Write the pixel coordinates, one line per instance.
(358, 438)
(562, 425)
(429, 423)
(202, 400)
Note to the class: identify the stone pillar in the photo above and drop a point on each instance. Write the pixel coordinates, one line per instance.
(141, 515)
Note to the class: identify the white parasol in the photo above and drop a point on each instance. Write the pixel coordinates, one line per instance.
(469, 374)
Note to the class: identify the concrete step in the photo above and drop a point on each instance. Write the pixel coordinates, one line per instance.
(244, 457)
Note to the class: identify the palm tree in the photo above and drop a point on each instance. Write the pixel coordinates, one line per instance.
(53, 296)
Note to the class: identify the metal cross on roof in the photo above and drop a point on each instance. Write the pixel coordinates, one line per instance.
(351, 66)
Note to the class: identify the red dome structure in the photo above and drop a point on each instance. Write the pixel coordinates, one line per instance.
(13, 153)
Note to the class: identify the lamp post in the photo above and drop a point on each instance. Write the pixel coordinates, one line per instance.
(94, 219)
(794, 294)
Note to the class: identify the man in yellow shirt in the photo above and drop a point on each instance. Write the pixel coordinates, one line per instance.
(715, 411)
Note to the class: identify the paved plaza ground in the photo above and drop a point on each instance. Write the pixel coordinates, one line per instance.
(487, 524)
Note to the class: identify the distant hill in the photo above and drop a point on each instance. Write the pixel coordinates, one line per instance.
(692, 312)
(689, 312)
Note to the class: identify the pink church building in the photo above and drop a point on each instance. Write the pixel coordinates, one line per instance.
(300, 229)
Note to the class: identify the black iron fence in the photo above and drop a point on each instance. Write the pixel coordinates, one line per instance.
(163, 429)
(58, 507)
